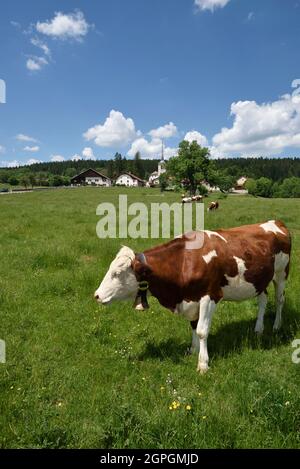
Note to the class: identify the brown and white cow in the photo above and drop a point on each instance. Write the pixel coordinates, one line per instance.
(213, 206)
(233, 264)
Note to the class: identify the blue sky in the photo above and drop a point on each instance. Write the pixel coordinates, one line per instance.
(89, 78)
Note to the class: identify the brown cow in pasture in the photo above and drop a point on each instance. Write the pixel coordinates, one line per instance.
(229, 264)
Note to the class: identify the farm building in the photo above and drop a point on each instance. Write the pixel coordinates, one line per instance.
(130, 180)
(240, 183)
(90, 177)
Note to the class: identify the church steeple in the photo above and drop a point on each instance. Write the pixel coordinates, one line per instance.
(162, 151)
(162, 163)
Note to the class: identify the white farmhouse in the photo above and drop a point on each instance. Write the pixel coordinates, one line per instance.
(129, 180)
(240, 183)
(90, 177)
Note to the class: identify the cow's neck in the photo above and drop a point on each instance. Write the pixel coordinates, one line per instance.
(164, 274)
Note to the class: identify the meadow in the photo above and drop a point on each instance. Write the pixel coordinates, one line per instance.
(81, 375)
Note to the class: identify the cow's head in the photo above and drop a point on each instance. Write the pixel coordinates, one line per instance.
(120, 282)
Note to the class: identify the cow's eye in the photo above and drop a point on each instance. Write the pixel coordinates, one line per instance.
(116, 274)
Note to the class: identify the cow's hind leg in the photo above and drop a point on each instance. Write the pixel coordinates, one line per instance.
(262, 303)
(279, 283)
(195, 347)
(207, 307)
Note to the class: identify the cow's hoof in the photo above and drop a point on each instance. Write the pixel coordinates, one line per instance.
(202, 368)
(140, 307)
(259, 331)
(276, 327)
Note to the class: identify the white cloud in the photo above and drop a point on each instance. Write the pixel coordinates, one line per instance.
(150, 149)
(88, 153)
(15, 24)
(41, 45)
(57, 158)
(116, 131)
(210, 4)
(65, 26)
(250, 16)
(165, 131)
(32, 149)
(2, 149)
(261, 129)
(35, 63)
(76, 157)
(32, 161)
(25, 138)
(195, 135)
(10, 164)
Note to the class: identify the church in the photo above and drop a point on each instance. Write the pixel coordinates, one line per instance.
(154, 177)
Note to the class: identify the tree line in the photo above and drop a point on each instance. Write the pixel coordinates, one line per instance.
(275, 169)
(267, 177)
(59, 173)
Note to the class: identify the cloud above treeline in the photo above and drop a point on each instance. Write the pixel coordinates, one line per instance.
(65, 26)
(257, 129)
(210, 4)
(72, 27)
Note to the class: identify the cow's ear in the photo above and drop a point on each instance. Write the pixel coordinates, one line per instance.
(139, 267)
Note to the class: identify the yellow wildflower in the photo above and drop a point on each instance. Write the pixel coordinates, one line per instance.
(175, 404)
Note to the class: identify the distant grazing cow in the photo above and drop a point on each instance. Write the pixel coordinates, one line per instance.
(197, 198)
(231, 264)
(213, 206)
(186, 200)
(194, 198)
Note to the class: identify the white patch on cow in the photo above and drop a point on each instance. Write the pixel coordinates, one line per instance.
(209, 256)
(271, 226)
(119, 282)
(207, 307)
(214, 233)
(238, 288)
(281, 261)
(188, 309)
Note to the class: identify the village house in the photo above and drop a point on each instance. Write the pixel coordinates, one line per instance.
(90, 177)
(129, 180)
(240, 183)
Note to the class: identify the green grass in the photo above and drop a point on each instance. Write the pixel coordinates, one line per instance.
(79, 375)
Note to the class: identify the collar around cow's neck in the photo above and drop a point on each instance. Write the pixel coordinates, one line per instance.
(143, 284)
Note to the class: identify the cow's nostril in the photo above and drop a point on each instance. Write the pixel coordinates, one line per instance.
(96, 297)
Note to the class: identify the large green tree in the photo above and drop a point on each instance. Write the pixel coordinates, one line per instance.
(190, 166)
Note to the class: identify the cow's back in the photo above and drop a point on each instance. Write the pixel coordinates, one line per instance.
(237, 263)
(234, 264)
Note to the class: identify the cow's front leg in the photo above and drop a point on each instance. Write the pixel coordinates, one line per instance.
(207, 307)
